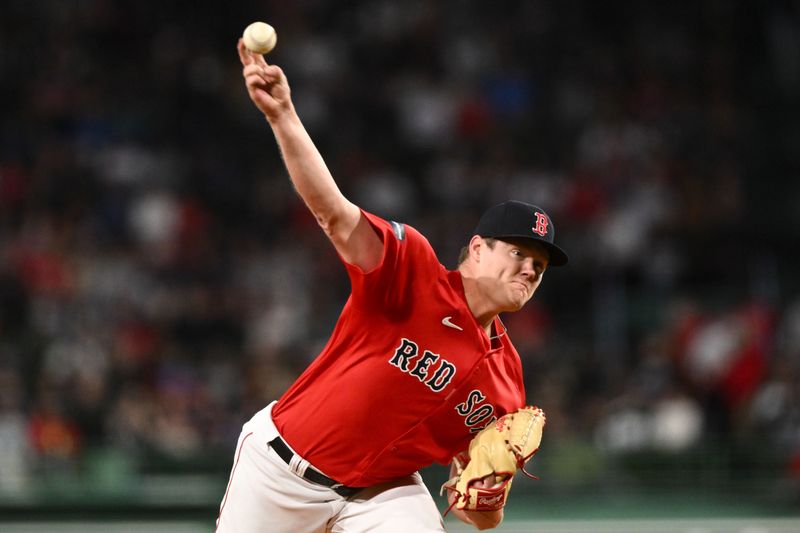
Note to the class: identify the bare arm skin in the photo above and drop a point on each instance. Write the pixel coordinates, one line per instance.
(342, 221)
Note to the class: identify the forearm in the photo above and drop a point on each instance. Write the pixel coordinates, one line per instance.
(341, 220)
(480, 519)
(311, 177)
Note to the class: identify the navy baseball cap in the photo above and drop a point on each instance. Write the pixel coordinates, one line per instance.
(521, 220)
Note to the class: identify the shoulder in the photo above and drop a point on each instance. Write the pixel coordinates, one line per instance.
(399, 235)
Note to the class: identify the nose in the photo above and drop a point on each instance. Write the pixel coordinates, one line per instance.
(527, 267)
(530, 272)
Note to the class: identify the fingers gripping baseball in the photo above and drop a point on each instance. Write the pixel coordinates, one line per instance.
(266, 84)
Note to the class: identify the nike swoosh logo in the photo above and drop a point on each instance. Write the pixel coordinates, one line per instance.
(446, 321)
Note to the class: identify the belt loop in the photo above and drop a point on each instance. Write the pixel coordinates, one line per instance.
(298, 465)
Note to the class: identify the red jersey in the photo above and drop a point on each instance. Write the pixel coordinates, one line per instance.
(408, 375)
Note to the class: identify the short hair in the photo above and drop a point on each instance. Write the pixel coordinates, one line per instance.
(464, 253)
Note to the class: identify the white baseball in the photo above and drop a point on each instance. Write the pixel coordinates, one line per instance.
(260, 37)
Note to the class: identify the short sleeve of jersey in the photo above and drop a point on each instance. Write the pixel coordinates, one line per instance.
(408, 264)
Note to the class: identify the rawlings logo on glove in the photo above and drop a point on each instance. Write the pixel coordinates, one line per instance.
(499, 450)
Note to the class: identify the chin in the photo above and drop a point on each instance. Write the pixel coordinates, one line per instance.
(516, 305)
(518, 301)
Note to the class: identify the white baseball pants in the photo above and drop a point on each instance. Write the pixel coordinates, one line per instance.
(265, 496)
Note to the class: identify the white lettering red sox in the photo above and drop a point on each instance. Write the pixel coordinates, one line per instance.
(436, 377)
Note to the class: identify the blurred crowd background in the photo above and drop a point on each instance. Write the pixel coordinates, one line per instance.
(160, 281)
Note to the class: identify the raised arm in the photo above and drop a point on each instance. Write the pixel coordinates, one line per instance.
(342, 221)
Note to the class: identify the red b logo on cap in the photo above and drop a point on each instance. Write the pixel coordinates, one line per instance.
(541, 224)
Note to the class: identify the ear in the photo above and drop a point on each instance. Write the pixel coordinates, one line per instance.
(475, 247)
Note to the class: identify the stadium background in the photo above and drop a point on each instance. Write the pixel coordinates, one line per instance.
(160, 281)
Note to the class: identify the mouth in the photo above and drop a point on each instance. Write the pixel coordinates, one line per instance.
(522, 286)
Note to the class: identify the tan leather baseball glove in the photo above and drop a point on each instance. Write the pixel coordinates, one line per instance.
(499, 449)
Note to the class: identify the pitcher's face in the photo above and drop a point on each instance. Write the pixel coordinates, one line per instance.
(512, 270)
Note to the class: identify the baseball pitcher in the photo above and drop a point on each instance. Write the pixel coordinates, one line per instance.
(419, 368)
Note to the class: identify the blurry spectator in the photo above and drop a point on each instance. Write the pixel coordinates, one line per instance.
(725, 359)
(54, 438)
(14, 450)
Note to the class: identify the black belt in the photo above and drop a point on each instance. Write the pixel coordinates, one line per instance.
(312, 474)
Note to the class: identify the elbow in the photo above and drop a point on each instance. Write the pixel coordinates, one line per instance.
(326, 223)
(331, 219)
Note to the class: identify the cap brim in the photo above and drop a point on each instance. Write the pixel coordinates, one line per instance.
(557, 256)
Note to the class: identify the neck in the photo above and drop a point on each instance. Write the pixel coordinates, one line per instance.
(481, 306)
